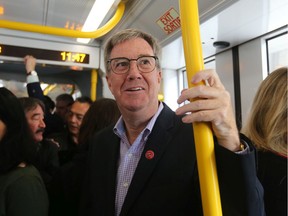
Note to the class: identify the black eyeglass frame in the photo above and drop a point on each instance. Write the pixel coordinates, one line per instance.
(155, 57)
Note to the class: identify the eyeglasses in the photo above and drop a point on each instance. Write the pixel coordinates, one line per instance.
(145, 64)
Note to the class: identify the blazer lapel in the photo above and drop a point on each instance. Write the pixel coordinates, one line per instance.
(153, 150)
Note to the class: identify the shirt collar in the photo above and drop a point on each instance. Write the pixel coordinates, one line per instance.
(120, 130)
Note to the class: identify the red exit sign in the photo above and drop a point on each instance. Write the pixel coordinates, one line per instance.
(170, 21)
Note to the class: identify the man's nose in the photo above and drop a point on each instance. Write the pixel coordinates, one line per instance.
(42, 123)
(133, 71)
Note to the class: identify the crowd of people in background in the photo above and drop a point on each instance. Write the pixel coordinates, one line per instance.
(49, 133)
(78, 156)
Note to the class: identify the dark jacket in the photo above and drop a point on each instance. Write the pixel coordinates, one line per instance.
(272, 173)
(67, 147)
(168, 184)
(65, 188)
(46, 160)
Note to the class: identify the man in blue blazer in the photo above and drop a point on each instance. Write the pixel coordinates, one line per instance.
(146, 163)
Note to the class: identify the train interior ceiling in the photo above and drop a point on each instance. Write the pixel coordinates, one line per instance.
(232, 21)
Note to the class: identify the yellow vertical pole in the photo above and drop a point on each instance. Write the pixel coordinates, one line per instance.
(94, 80)
(202, 131)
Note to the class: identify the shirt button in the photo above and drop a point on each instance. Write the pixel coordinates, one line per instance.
(125, 184)
(130, 155)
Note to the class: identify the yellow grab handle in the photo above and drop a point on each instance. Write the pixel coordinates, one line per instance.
(202, 132)
(66, 32)
(94, 80)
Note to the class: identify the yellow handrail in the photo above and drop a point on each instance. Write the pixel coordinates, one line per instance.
(49, 88)
(202, 132)
(94, 80)
(66, 32)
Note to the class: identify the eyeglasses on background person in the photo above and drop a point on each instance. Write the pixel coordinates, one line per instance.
(121, 65)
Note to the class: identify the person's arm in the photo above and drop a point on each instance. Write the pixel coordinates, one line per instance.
(33, 84)
(241, 191)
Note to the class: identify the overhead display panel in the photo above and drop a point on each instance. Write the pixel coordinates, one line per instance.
(44, 54)
(47, 52)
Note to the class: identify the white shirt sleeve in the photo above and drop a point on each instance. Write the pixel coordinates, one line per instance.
(32, 78)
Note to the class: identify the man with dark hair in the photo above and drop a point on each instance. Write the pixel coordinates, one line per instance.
(68, 139)
(46, 158)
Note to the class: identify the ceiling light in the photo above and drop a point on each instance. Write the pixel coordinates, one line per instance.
(2, 10)
(96, 16)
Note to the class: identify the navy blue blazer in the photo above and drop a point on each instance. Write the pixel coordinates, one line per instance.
(168, 184)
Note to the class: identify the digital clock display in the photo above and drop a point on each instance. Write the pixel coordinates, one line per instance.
(44, 54)
(73, 57)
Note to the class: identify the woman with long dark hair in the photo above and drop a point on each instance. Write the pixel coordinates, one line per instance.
(22, 191)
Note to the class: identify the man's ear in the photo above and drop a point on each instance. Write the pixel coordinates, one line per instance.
(108, 82)
(159, 76)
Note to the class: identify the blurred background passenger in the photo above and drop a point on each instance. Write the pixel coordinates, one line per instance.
(63, 104)
(102, 113)
(267, 128)
(68, 139)
(64, 195)
(22, 191)
(46, 158)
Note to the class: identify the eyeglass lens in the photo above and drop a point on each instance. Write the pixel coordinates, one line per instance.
(145, 64)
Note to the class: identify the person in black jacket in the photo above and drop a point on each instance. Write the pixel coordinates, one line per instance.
(146, 163)
(66, 185)
(266, 126)
(46, 158)
(68, 139)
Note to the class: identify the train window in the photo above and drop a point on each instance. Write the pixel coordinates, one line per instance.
(277, 51)
(182, 74)
(56, 89)
(208, 63)
(52, 90)
(18, 88)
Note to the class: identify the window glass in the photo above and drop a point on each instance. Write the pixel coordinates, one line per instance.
(20, 90)
(182, 74)
(277, 49)
(209, 64)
